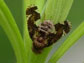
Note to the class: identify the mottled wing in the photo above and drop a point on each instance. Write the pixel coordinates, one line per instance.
(54, 37)
(67, 26)
(32, 16)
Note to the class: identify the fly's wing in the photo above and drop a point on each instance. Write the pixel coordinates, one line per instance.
(33, 16)
(67, 26)
(52, 38)
(60, 30)
(30, 10)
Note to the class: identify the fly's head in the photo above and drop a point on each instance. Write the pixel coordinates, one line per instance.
(46, 27)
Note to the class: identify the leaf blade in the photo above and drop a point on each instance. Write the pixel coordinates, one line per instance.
(57, 10)
(8, 24)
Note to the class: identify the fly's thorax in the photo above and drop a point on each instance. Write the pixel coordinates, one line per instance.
(47, 27)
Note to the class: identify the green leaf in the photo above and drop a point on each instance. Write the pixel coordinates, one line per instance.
(8, 24)
(30, 2)
(28, 43)
(17, 8)
(57, 10)
(68, 43)
(65, 9)
(40, 4)
(40, 58)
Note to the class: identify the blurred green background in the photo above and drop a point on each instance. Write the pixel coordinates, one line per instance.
(76, 16)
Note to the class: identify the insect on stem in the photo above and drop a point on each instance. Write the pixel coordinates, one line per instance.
(42, 35)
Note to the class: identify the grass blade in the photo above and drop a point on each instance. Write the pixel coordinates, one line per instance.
(65, 9)
(8, 24)
(57, 10)
(53, 9)
(17, 9)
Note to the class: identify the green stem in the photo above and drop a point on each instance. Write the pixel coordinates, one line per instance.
(8, 24)
(79, 32)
